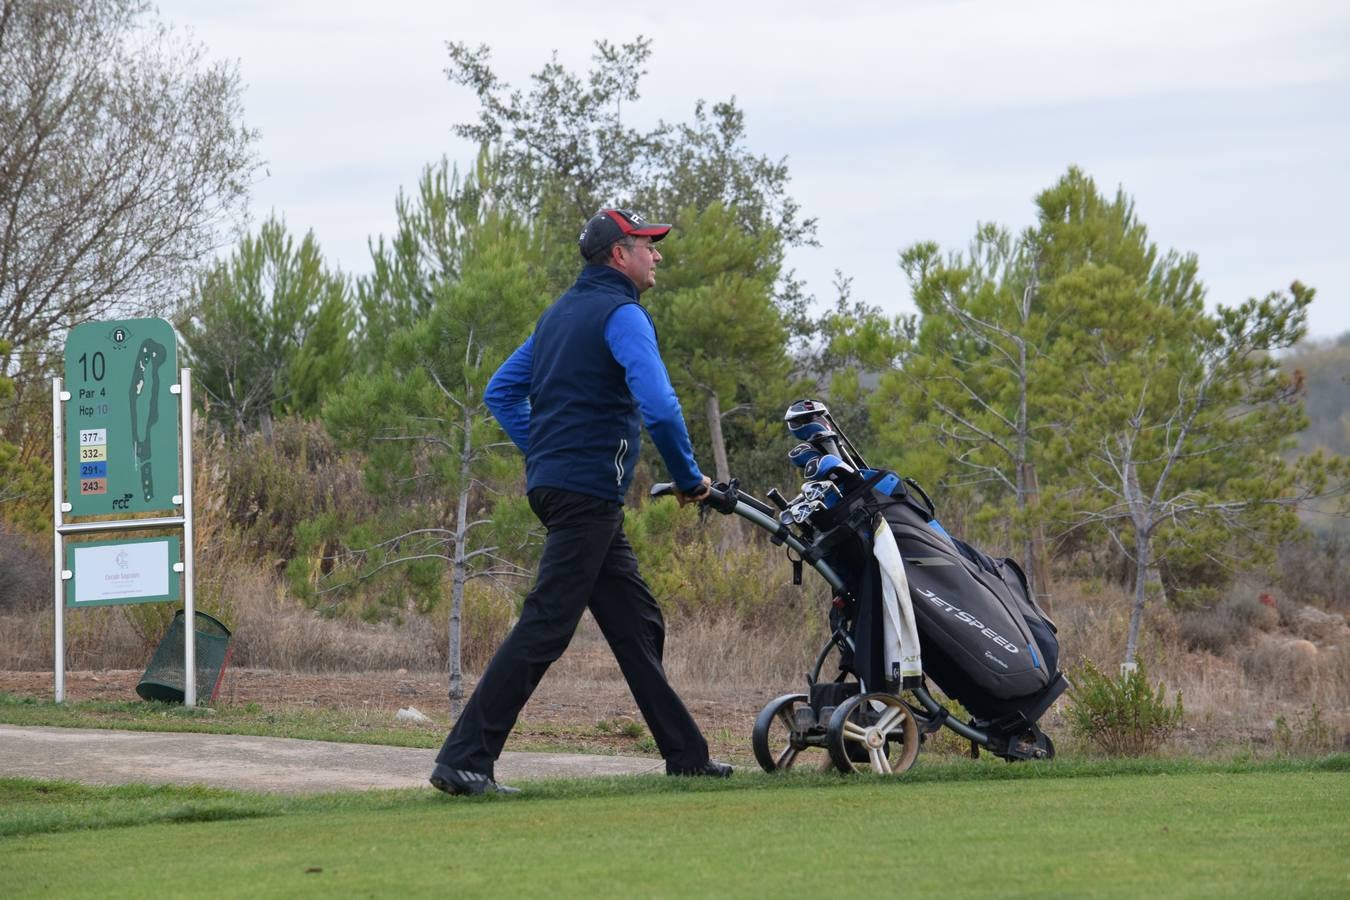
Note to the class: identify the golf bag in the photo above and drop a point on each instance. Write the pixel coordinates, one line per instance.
(984, 641)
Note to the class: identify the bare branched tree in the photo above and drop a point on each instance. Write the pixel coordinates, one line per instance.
(978, 374)
(1188, 451)
(122, 154)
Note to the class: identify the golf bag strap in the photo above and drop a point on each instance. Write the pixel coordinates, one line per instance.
(928, 506)
(854, 510)
(909, 492)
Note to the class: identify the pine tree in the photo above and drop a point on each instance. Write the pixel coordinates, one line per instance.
(1081, 357)
(268, 331)
(434, 450)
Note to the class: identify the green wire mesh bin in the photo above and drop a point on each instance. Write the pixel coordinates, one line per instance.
(163, 679)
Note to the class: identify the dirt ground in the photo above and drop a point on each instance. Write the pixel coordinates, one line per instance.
(558, 700)
(562, 699)
(581, 691)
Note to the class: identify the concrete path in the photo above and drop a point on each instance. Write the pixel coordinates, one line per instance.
(238, 762)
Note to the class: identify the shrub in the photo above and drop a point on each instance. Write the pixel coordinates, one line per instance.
(1121, 716)
(1287, 668)
(710, 565)
(1210, 630)
(1216, 629)
(489, 612)
(1307, 735)
(1316, 569)
(268, 489)
(25, 571)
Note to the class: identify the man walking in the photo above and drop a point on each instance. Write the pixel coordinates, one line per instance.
(573, 398)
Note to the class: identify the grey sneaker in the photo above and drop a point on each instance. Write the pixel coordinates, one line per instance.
(459, 782)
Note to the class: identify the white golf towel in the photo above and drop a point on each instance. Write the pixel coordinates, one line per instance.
(900, 633)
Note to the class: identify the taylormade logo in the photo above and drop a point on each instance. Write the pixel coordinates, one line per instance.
(970, 620)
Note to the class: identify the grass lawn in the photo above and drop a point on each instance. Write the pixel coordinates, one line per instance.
(1072, 830)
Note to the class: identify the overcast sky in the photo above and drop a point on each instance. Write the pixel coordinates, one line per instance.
(1228, 122)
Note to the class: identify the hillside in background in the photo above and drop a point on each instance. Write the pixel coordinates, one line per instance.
(1326, 377)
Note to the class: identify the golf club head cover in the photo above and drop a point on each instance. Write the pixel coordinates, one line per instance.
(823, 439)
(802, 454)
(804, 431)
(820, 467)
(835, 469)
(805, 411)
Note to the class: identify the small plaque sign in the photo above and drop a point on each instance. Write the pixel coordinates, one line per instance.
(107, 573)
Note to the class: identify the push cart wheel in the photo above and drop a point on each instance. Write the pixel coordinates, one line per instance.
(873, 733)
(776, 740)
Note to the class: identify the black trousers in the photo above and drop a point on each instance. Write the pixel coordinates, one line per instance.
(587, 563)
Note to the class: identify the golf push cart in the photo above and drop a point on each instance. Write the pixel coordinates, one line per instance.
(912, 606)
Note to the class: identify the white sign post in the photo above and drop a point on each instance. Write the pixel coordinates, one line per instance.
(113, 453)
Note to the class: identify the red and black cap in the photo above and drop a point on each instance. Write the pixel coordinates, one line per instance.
(610, 225)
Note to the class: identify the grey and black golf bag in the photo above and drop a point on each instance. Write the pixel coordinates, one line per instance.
(985, 642)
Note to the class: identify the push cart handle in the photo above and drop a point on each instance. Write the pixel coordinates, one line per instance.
(721, 497)
(726, 498)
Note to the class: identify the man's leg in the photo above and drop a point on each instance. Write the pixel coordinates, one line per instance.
(631, 621)
(580, 528)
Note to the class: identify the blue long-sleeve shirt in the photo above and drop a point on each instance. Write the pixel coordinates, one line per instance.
(632, 341)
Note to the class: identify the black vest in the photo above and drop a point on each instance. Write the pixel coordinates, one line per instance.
(584, 422)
